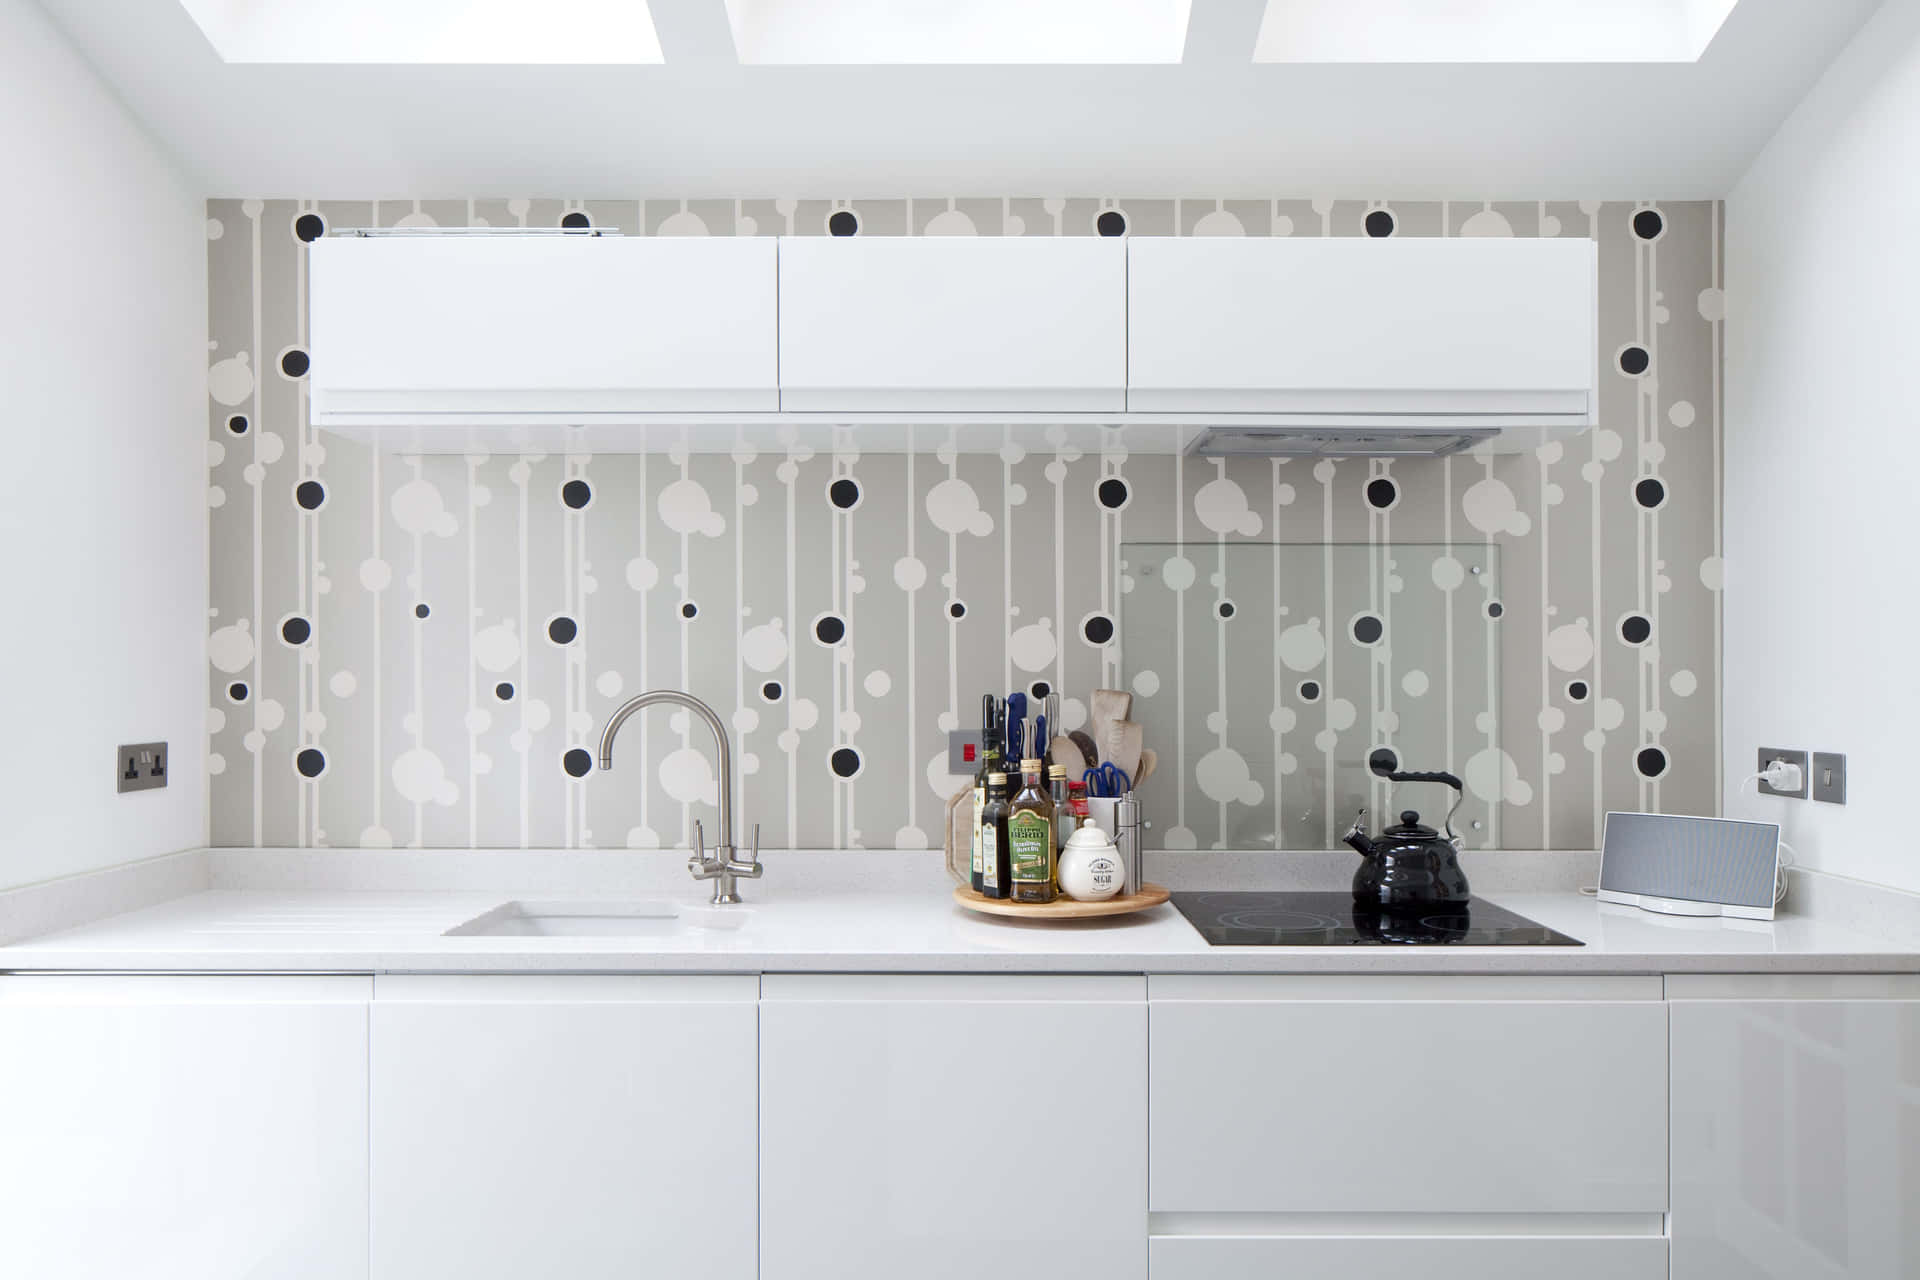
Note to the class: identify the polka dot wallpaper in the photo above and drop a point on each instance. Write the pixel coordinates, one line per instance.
(419, 651)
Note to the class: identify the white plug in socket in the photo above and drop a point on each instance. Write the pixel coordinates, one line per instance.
(1783, 773)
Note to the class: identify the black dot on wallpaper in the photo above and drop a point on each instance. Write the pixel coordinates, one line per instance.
(310, 494)
(1367, 629)
(294, 362)
(421, 611)
(1495, 609)
(1379, 224)
(957, 609)
(563, 630)
(503, 691)
(689, 610)
(1577, 690)
(237, 424)
(576, 494)
(1648, 224)
(1225, 609)
(576, 221)
(844, 493)
(237, 691)
(311, 762)
(309, 227)
(843, 222)
(1634, 361)
(1111, 223)
(1309, 691)
(1040, 689)
(1635, 628)
(828, 629)
(1383, 761)
(846, 762)
(771, 691)
(1382, 493)
(577, 762)
(1098, 629)
(1114, 493)
(1652, 762)
(1649, 493)
(296, 630)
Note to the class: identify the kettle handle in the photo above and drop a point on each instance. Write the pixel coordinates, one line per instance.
(1449, 779)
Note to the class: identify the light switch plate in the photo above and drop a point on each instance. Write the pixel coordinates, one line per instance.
(140, 766)
(963, 751)
(1768, 755)
(1829, 777)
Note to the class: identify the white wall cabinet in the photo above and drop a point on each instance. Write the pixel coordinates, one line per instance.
(953, 1127)
(962, 324)
(1422, 327)
(465, 329)
(1430, 1257)
(183, 1128)
(592, 1127)
(1796, 1127)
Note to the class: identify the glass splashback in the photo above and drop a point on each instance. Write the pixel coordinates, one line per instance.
(1268, 676)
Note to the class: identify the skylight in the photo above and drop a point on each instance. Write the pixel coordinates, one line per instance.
(1489, 30)
(429, 31)
(977, 32)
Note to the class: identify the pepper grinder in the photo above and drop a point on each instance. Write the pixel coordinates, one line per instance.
(1126, 839)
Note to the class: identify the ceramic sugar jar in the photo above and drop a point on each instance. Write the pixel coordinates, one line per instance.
(1090, 866)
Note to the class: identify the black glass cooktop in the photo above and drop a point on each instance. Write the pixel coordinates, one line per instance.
(1335, 920)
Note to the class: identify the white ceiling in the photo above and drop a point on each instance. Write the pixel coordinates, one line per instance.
(1216, 124)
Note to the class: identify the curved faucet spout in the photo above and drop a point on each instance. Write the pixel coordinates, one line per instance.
(723, 867)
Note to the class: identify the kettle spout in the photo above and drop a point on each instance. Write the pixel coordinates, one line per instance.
(1357, 835)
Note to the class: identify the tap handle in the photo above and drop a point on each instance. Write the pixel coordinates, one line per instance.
(751, 868)
(698, 863)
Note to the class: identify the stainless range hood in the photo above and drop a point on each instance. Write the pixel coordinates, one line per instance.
(1336, 442)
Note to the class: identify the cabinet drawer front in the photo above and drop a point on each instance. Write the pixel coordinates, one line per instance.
(1429, 1257)
(1409, 1106)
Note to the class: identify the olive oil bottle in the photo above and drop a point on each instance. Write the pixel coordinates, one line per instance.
(1030, 838)
(995, 863)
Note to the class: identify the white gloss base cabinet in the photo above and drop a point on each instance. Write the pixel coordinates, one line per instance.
(1796, 1127)
(183, 1128)
(591, 1127)
(879, 1159)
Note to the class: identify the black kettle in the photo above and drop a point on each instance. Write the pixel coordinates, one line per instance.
(1410, 867)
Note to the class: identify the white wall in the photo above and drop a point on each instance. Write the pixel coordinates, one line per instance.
(1822, 450)
(103, 562)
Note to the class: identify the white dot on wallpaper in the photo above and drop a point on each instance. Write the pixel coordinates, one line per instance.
(1712, 573)
(1287, 763)
(1178, 573)
(1591, 472)
(1662, 583)
(1011, 453)
(1326, 740)
(270, 447)
(417, 775)
(939, 781)
(588, 583)
(1653, 453)
(1218, 222)
(1223, 777)
(253, 473)
(1492, 776)
(216, 720)
(1609, 715)
(1712, 305)
(410, 723)
(230, 381)
(482, 496)
(1016, 495)
(1216, 722)
(787, 472)
(1056, 472)
(1032, 647)
(1483, 722)
(609, 684)
(1607, 444)
(481, 763)
(1395, 584)
(1448, 573)
(954, 508)
(269, 714)
(1553, 495)
(1550, 225)
(1487, 222)
(418, 509)
(376, 837)
(805, 714)
(496, 648)
(1180, 838)
(856, 584)
(253, 740)
(1680, 413)
(745, 720)
(215, 228)
(748, 495)
(1414, 683)
(536, 715)
(878, 684)
(520, 740)
(216, 763)
(1073, 713)
(1280, 225)
(1570, 646)
(520, 473)
(216, 496)
(1284, 495)
(1282, 720)
(764, 647)
(1552, 720)
(1126, 584)
(909, 838)
(1653, 720)
(1146, 683)
(788, 741)
(909, 574)
(687, 777)
(216, 453)
(849, 722)
(1490, 507)
(1341, 714)
(749, 764)
(642, 838)
(1386, 721)
(1222, 506)
(376, 574)
(685, 508)
(1594, 740)
(418, 218)
(1323, 470)
(478, 720)
(313, 723)
(343, 684)
(1301, 646)
(947, 721)
(1683, 683)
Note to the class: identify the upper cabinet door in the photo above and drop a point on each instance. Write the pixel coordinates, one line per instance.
(1417, 327)
(490, 328)
(962, 324)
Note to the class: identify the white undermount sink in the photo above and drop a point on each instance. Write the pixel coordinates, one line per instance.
(658, 919)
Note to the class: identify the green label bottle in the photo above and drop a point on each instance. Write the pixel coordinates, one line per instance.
(1030, 846)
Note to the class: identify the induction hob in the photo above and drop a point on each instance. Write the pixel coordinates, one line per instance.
(1335, 920)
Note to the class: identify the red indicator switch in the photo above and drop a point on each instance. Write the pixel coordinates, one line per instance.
(968, 753)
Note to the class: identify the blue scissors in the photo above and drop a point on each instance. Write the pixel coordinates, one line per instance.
(1105, 782)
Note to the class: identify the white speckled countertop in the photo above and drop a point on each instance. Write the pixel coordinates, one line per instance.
(891, 912)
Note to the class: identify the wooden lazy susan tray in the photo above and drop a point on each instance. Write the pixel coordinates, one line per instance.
(1150, 895)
